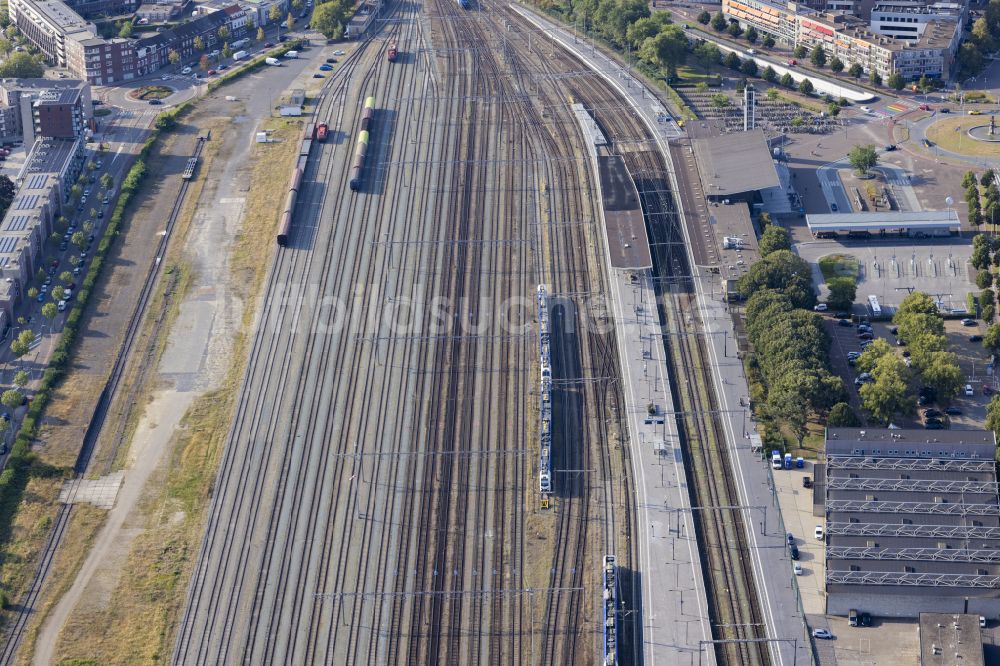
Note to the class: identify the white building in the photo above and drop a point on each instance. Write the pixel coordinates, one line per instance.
(907, 19)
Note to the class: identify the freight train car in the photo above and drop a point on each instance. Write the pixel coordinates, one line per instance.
(464, 4)
(367, 114)
(322, 130)
(285, 224)
(610, 610)
(361, 150)
(392, 52)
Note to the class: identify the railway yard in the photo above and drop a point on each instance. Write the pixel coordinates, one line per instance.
(380, 494)
(435, 454)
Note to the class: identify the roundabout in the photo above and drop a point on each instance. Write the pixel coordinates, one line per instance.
(146, 93)
(966, 135)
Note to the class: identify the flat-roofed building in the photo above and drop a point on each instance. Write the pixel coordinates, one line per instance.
(913, 224)
(950, 639)
(912, 522)
(908, 19)
(55, 108)
(735, 166)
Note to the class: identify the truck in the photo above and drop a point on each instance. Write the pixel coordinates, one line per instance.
(292, 54)
(239, 55)
(321, 131)
(775, 459)
(274, 62)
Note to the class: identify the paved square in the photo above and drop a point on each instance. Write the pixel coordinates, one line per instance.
(100, 492)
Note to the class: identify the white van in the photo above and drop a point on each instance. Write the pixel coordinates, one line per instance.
(292, 54)
(186, 70)
(62, 306)
(274, 62)
(239, 55)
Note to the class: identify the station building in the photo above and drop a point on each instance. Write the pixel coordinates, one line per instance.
(912, 224)
(912, 522)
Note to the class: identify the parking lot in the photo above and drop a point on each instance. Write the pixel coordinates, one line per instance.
(972, 358)
(890, 269)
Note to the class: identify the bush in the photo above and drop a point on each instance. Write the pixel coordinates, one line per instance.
(984, 279)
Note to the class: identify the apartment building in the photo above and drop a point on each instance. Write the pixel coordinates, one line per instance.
(908, 19)
(35, 108)
(71, 42)
(931, 53)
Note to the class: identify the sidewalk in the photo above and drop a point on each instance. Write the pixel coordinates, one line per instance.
(771, 564)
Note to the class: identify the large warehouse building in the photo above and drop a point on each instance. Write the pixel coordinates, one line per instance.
(913, 522)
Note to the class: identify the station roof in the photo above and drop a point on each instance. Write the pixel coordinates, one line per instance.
(846, 222)
(735, 163)
(624, 225)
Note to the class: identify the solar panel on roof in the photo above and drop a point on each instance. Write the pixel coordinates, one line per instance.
(8, 244)
(16, 223)
(27, 202)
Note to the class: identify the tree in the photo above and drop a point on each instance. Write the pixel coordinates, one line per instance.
(274, 14)
(668, 49)
(11, 398)
(943, 375)
(40, 274)
(787, 80)
(706, 54)
(749, 67)
(768, 41)
(818, 56)
(970, 58)
(199, 43)
(126, 30)
(969, 179)
(66, 277)
(751, 35)
(782, 271)
(719, 22)
(7, 191)
(78, 239)
(863, 158)
(843, 291)
(917, 302)
(984, 279)
(204, 62)
(980, 255)
(773, 239)
(88, 226)
(227, 52)
(107, 181)
(993, 414)
(20, 378)
(290, 21)
(799, 52)
(890, 393)
(895, 81)
(805, 86)
(32, 293)
(223, 33)
(297, 5)
(836, 65)
(842, 416)
(833, 109)
(49, 310)
(769, 75)
(732, 61)
(735, 30)
(988, 313)
(24, 339)
(21, 66)
(856, 71)
(875, 78)
(173, 56)
(870, 356)
(991, 339)
(704, 18)
(260, 34)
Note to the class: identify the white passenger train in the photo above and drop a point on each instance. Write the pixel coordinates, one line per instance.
(545, 401)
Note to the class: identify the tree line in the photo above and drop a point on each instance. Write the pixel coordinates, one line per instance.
(788, 373)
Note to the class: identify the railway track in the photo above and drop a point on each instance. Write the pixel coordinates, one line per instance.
(14, 634)
(734, 604)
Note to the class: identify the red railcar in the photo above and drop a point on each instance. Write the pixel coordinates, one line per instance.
(393, 52)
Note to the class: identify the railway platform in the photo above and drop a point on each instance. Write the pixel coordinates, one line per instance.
(675, 607)
(781, 608)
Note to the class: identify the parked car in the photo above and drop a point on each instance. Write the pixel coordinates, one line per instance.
(268, 45)
(317, 75)
(822, 633)
(793, 551)
(797, 569)
(821, 307)
(819, 532)
(790, 538)
(969, 391)
(332, 61)
(975, 338)
(968, 322)
(931, 412)
(155, 102)
(934, 426)
(866, 335)
(844, 322)
(866, 620)
(953, 411)
(833, 207)
(325, 68)
(891, 147)
(933, 420)
(944, 110)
